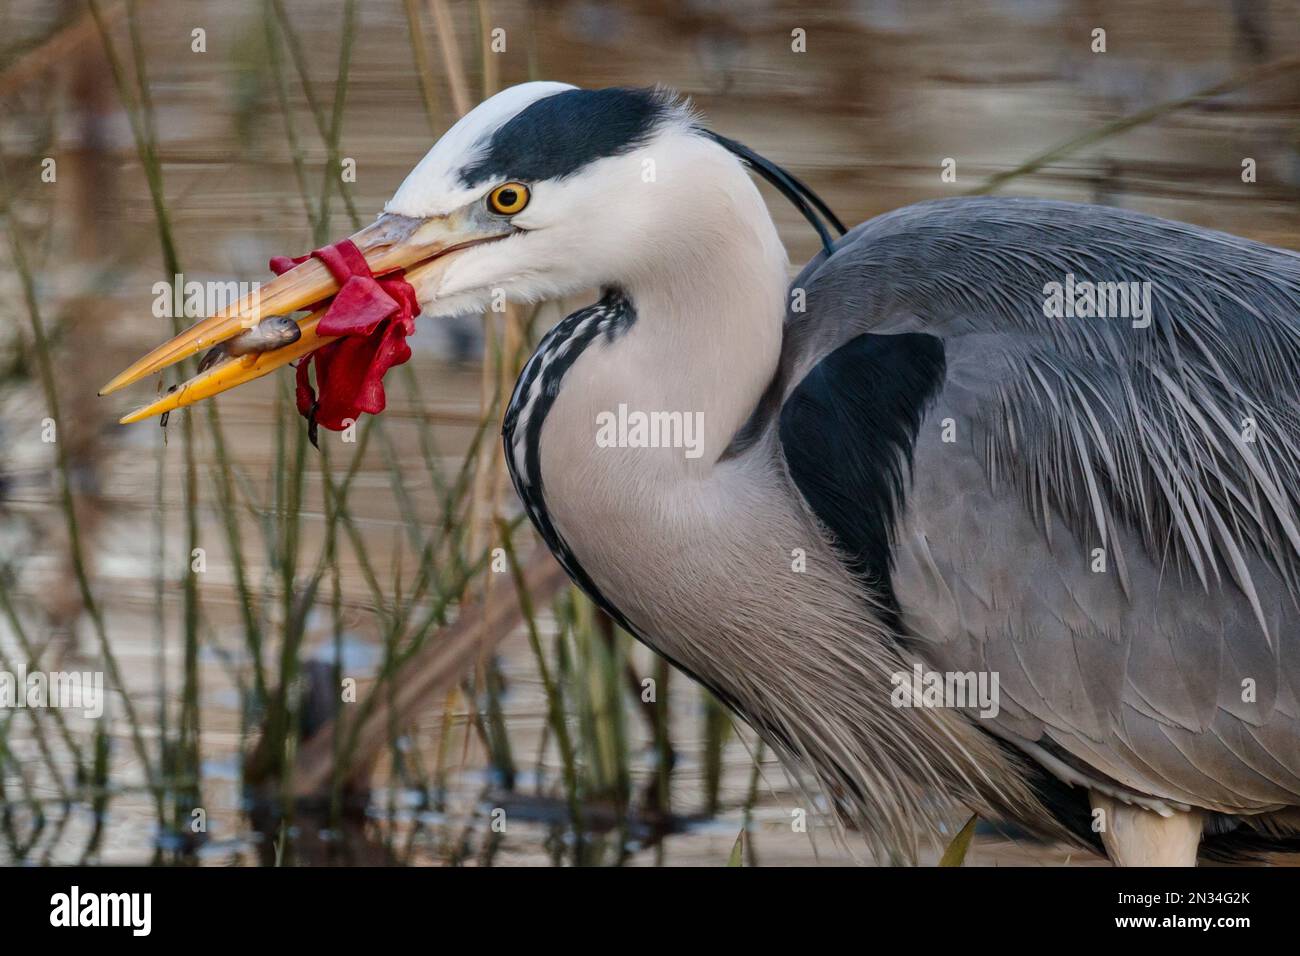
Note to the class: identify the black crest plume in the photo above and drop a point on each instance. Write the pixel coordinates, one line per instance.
(809, 204)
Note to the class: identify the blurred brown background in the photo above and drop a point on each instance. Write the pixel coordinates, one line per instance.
(238, 137)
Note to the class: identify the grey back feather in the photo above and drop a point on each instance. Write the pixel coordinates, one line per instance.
(1173, 448)
(1186, 430)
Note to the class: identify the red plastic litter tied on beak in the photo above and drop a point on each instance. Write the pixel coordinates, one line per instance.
(372, 317)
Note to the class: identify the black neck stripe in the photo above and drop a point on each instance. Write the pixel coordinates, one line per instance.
(531, 402)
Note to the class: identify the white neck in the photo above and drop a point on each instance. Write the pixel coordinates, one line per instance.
(696, 553)
(706, 339)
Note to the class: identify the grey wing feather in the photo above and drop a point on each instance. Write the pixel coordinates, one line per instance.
(1168, 450)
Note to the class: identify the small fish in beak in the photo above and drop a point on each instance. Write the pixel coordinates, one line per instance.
(268, 335)
(361, 302)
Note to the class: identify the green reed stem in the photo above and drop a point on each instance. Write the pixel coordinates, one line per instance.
(554, 699)
(42, 354)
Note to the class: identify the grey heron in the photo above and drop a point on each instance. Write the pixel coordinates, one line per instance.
(909, 462)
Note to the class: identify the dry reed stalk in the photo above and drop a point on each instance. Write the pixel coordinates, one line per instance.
(459, 85)
(430, 672)
(490, 72)
(423, 72)
(446, 30)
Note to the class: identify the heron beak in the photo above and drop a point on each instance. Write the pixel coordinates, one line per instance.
(392, 242)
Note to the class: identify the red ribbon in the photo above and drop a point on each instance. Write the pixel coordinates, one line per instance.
(372, 317)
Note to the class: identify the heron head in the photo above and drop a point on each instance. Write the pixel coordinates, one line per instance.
(545, 190)
(540, 191)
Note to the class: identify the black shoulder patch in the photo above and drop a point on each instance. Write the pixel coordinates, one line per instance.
(560, 134)
(848, 430)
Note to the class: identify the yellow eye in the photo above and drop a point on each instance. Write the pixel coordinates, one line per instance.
(508, 199)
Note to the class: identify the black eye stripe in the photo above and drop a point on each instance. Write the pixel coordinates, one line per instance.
(560, 134)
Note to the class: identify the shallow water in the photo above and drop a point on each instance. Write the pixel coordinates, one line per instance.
(885, 92)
